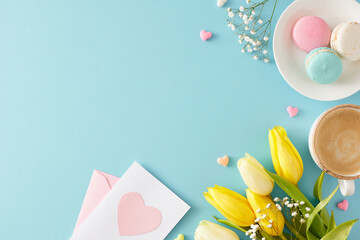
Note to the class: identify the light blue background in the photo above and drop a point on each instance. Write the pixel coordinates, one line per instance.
(100, 84)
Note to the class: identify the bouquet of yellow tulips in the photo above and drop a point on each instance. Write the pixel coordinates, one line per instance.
(262, 217)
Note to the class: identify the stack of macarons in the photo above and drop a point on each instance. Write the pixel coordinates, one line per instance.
(313, 35)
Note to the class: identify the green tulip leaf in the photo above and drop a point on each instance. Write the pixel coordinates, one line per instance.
(325, 216)
(311, 236)
(318, 195)
(317, 227)
(332, 223)
(318, 187)
(340, 232)
(230, 224)
(318, 208)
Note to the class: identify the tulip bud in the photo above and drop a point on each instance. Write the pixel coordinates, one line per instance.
(268, 215)
(212, 231)
(232, 205)
(286, 159)
(254, 175)
(180, 237)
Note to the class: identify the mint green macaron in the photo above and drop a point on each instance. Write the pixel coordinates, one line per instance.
(323, 65)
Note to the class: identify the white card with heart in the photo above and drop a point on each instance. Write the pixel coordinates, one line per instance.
(139, 207)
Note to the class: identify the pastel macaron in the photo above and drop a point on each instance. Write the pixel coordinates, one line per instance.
(345, 39)
(311, 32)
(323, 65)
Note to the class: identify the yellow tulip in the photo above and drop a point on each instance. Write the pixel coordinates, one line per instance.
(212, 231)
(286, 159)
(231, 205)
(254, 175)
(180, 237)
(268, 215)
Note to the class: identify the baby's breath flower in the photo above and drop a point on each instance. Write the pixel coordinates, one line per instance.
(259, 30)
(257, 219)
(276, 199)
(271, 221)
(278, 207)
(285, 198)
(302, 202)
(269, 226)
(287, 202)
(253, 236)
(263, 216)
(263, 238)
(293, 214)
(302, 220)
(296, 204)
(308, 209)
(307, 215)
(268, 205)
(243, 50)
(290, 205)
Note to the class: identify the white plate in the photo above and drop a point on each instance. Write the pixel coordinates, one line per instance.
(290, 59)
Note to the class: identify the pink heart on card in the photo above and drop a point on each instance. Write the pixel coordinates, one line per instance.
(293, 111)
(134, 218)
(343, 205)
(205, 35)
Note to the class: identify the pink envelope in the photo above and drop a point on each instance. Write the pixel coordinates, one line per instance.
(100, 184)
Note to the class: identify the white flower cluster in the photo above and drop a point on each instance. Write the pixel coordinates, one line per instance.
(295, 208)
(252, 232)
(254, 34)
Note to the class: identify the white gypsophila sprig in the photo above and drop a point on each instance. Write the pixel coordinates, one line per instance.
(297, 212)
(253, 31)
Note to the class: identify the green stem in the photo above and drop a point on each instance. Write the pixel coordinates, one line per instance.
(293, 230)
(282, 237)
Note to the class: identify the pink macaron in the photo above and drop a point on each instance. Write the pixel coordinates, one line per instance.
(311, 32)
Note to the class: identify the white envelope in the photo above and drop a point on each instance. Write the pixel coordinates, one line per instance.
(139, 207)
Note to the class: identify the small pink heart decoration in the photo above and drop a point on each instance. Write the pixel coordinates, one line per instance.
(224, 161)
(293, 111)
(134, 218)
(344, 205)
(205, 35)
